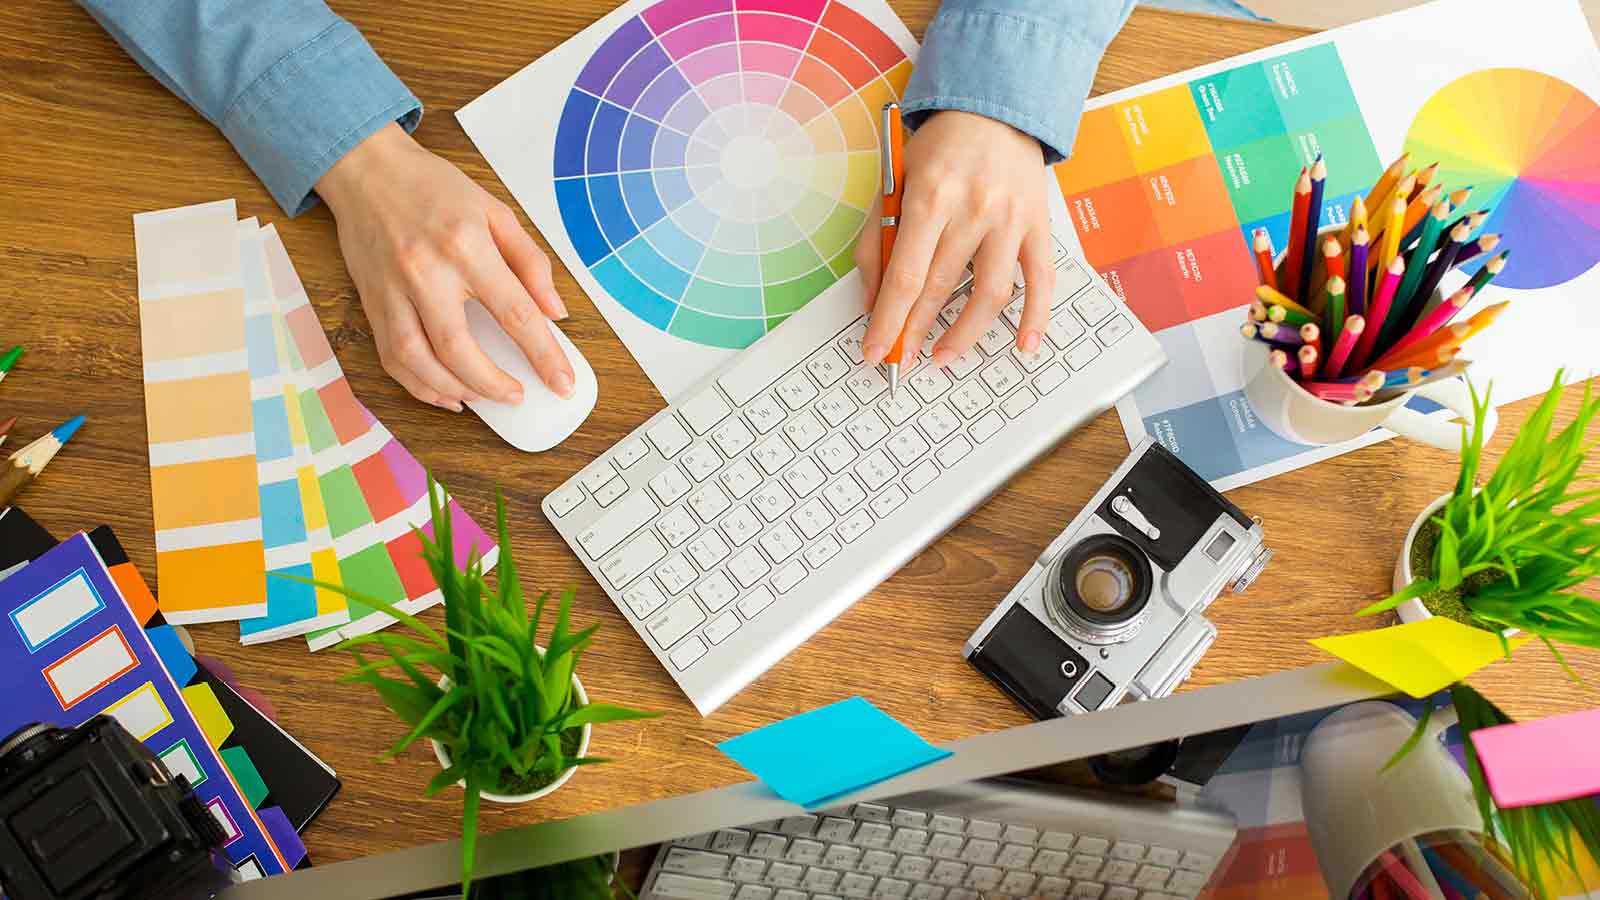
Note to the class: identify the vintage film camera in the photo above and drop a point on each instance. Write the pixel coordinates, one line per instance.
(1112, 608)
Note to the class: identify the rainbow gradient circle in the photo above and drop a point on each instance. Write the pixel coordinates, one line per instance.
(1529, 145)
(715, 159)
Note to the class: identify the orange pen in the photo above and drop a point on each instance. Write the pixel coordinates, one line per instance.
(892, 147)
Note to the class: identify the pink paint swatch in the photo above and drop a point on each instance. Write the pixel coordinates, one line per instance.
(1542, 761)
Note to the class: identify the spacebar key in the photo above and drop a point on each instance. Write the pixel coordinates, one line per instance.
(626, 516)
(686, 887)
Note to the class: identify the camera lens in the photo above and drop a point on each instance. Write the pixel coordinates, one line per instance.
(1103, 584)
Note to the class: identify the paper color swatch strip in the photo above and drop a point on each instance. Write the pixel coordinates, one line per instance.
(209, 553)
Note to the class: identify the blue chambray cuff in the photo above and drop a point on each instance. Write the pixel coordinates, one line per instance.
(306, 111)
(1027, 67)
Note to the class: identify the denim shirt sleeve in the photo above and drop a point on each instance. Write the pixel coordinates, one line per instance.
(1028, 63)
(291, 85)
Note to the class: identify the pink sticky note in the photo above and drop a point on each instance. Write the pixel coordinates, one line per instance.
(1542, 761)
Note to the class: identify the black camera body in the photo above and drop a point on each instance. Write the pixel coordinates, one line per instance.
(90, 812)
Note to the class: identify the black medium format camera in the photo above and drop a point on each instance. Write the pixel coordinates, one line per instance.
(90, 812)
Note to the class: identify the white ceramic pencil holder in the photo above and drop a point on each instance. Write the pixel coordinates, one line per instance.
(1296, 414)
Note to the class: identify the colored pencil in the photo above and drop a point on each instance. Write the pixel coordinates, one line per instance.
(1293, 258)
(5, 429)
(1378, 312)
(1309, 248)
(1483, 276)
(1308, 361)
(1473, 221)
(1379, 195)
(1434, 319)
(1391, 236)
(1338, 392)
(1381, 889)
(1270, 296)
(1258, 311)
(1358, 219)
(1483, 244)
(1280, 335)
(1424, 179)
(1418, 209)
(1263, 250)
(1332, 260)
(1311, 335)
(1416, 268)
(1450, 337)
(26, 464)
(1333, 308)
(1357, 287)
(1459, 197)
(1403, 383)
(1282, 360)
(1453, 882)
(1403, 877)
(9, 360)
(1283, 314)
(1443, 262)
(1348, 335)
(1462, 862)
(1418, 866)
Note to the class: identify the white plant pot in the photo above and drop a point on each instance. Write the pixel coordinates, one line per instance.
(1412, 610)
(443, 755)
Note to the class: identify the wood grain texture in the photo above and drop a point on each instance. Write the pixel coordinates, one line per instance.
(87, 139)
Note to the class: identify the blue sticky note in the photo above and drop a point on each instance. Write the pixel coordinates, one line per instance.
(816, 756)
(174, 655)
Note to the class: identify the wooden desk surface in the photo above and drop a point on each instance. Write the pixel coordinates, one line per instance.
(87, 139)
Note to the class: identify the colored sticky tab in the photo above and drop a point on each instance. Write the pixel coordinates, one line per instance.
(283, 835)
(245, 774)
(1419, 658)
(174, 655)
(1542, 761)
(202, 703)
(828, 752)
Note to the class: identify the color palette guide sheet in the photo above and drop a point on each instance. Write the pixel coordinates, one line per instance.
(76, 649)
(701, 166)
(1169, 180)
(333, 495)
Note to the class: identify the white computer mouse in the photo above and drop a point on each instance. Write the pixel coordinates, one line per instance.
(543, 419)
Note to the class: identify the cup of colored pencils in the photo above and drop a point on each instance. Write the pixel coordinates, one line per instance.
(1354, 312)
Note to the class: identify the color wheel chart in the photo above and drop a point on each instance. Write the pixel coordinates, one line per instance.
(715, 160)
(1529, 144)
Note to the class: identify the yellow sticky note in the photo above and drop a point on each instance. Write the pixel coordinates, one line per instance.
(208, 712)
(1419, 658)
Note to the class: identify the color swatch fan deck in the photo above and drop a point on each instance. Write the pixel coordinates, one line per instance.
(710, 164)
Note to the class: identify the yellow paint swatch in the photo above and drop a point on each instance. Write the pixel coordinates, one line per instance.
(207, 711)
(1419, 658)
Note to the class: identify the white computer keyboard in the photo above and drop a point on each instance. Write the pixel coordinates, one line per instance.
(734, 525)
(1055, 847)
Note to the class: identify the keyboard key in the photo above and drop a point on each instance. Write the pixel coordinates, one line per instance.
(980, 850)
(748, 869)
(1055, 840)
(804, 430)
(1051, 887)
(1114, 330)
(633, 560)
(875, 470)
(741, 525)
(1017, 884)
(983, 878)
(1032, 362)
(797, 391)
(1051, 378)
(930, 383)
(784, 874)
(836, 453)
(1186, 882)
(669, 436)
(1120, 892)
(945, 844)
(748, 568)
(722, 627)
(741, 478)
(1119, 871)
(947, 824)
(1013, 310)
(877, 862)
(733, 437)
(754, 602)
(670, 485)
(891, 889)
(901, 407)
(1064, 329)
(804, 851)
(1070, 279)
(1094, 306)
(953, 309)
(954, 452)
(1152, 877)
(644, 598)
(611, 491)
(1050, 862)
(1199, 862)
(1084, 866)
(694, 862)
(867, 429)
(565, 500)
(938, 422)
(780, 542)
(871, 812)
(836, 406)
(708, 549)
(844, 494)
(922, 476)
(631, 451)
(966, 363)
(1002, 376)
(770, 846)
(716, 591)
(907, 446)
(789, 576)
(909, 840)
(772, 454)
(819, 880)
(1127, 850)
(925, 891)
(948, 871)
(855, 525)
(702, 461)
(677, 526)
(1015, 856)
(710, 502)
(764, 413)
(888, 500)
(841, 856)
(982, 828)
(804, 477)
(970, 399)
(1018, 403)
(730, 840)
(987, 427)
(704, 410)
(856, 885)
(772, 501)
(672, 886)
(866, 385)
(935, 331)
(835, 829)
(995, 338)
(1163, 856)
(1080, 356)
(1087, 890)
(850, 343)
(828, 367)
(671, 624)
(597, 476)
(1094, 846)
(813, 518)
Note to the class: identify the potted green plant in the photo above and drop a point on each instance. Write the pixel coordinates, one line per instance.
(508, 718)
(1508, 555)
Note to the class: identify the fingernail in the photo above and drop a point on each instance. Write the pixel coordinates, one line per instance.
(874, 353)
(473, 398)
(1028, 341)
(561, 309)
(909, 355)
(453, 406)
(563, 385)
(944, 356)
(515, 397)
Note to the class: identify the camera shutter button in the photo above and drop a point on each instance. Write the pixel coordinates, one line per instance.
(1069, 669)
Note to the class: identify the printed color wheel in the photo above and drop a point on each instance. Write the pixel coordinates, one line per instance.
(1527, 144)
(716, 159)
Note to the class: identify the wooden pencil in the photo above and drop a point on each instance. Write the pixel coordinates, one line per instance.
(1311, 336)
(1280, 335)
(1284, 315)
(1443, 262)
(1418, 209)
(1424, 179)
(1258, 311)
(1282, 360)
(1333, 308)
(26, 464)
(1378, 312)
(1469, 867)
(1416, 268)
(1391, 236)
(1358, 219)
(1342, 347)
(1263, 250)
(1294, 256)
(8, 360)
(1357, 281)
(1333, 260)
(1483, 244)
(1450, 337)
(5, 429)
(1434, 319)
(1309, 247)
(1308, 362)
(1379, 195)
(1270, 296)
(1483, 276)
